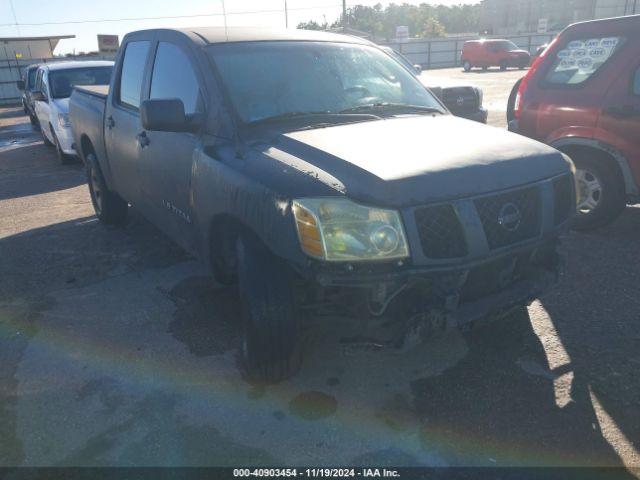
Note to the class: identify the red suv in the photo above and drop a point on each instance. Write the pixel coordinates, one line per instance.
(493, 53)
(582, 96)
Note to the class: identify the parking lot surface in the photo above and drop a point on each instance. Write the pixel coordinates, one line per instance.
(117, 349)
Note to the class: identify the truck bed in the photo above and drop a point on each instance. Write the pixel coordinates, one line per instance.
(101, 91)
(86, 111)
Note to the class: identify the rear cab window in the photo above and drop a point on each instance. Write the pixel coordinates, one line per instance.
(132, 73)
(581, 59)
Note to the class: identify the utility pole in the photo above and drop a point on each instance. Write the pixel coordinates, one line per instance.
(345, 23)
(286, 15)
(15, 19)
(224, 16)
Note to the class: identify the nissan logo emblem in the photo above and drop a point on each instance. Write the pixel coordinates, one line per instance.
(460, 101)
(510, 217)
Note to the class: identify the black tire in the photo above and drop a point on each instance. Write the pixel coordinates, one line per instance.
(46, 141)
(611, 200)
(503, 66)
(467, 66)
(271, 340)
(109, 207)
(34, 120)
(63, 158)
(484, 69)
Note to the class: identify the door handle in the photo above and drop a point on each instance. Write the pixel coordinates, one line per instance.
(143, 140)
(626, 111)
(110, 122)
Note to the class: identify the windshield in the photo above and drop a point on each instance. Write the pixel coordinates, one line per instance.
(505, 45)
(62, 81)
(31, 78)
(272, 79)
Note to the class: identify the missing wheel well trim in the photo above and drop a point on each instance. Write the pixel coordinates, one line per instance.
(576, 152)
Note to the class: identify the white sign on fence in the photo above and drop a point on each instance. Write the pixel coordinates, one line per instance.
(543, 25)
(402, 34)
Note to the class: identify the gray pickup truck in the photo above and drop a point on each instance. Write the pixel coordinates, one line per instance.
(319, 173)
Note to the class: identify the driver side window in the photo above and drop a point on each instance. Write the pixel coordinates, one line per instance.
(174, 77)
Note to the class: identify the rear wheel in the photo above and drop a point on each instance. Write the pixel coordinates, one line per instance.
(109, 207)
(503, 65)
(270, 347)
(467, 66)
(601, 195)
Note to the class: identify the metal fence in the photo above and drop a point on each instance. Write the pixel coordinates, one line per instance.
(11, 71)
(445, 52)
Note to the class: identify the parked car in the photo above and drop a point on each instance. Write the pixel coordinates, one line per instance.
(493, 53)
(336, 182)
(54, 84)
(26, 85)
(461, 98)
(583, 97)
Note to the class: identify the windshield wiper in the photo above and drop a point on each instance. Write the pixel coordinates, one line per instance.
(311, 115)
(392, 106)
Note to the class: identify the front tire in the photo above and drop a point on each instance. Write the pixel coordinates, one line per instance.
(109, 207)
(45, 139)
(503, 66)
(467, 66)
(600, 192)
(270, 348)
(63, 158)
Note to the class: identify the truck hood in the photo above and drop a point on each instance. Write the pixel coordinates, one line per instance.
(414, 160)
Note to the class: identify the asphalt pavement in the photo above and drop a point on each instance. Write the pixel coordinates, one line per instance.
(117, 349)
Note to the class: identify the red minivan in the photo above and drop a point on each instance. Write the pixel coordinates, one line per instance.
(582, 96)
(493, 53)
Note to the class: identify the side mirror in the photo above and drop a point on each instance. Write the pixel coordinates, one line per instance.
(38, 96)
(167, 115)
(20, 85)
(418, 69)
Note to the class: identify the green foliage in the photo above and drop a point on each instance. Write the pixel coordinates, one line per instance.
(423, 20)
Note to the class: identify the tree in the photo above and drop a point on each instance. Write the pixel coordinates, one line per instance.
(312, 25)
(423, 20)
(432, 28)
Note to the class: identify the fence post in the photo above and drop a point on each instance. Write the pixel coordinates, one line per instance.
(429, 54)
(455, 54)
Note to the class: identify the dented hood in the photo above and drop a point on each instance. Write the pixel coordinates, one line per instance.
(413, 160)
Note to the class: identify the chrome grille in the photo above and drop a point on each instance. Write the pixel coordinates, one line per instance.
(499, 213)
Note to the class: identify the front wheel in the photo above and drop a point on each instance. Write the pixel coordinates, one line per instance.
(503, 66)
(467, 66)
(270, 346)
(601, 196)
(63, 158)
(109, 207)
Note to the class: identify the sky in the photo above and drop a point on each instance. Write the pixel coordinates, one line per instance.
(86, 18)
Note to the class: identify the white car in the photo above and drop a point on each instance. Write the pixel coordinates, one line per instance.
(54, 84)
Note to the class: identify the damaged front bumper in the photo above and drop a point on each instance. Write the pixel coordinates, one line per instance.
(466, 293)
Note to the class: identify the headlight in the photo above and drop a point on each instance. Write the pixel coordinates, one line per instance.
(63, 120)
(341, 230)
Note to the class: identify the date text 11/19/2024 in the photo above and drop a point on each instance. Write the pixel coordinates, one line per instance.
(316, 473)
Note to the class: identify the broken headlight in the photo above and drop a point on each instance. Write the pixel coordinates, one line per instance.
(337, 229)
